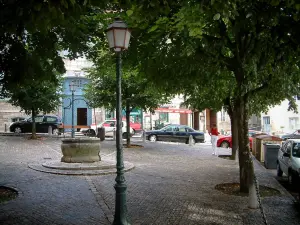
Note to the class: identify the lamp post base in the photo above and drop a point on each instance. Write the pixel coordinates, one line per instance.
(120, 217)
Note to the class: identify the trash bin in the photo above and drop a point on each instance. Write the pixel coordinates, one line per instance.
(101, 133)
(271, 153)
(258, 145)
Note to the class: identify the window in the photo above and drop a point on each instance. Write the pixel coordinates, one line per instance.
(39, 119)
(266, 119)
(77, 82)
(109, 124)
(266, 124)
(164, 117)
(176, 129)
(293, 123)
(296, 150)
(182, 129)
(51, 119)
(169, 128)
(189, 129)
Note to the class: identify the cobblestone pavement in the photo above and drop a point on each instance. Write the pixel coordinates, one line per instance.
(171, 184)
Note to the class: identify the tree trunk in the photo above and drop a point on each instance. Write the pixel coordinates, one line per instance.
(234, 134)
(33, 135)
(150, 120)
(243, 143)
(128, 123)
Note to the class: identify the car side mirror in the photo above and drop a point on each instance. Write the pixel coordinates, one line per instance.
(286, 154)
(112, 125)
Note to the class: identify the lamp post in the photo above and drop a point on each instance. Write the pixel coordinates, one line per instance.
(73, 87)
(118, 36)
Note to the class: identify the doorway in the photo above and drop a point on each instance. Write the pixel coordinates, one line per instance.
(266, 124)
(81, 117)
(183, 119)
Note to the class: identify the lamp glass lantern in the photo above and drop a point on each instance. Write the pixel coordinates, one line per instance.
(118, 35)
(73, 86)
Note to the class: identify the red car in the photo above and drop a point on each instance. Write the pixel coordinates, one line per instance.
(136, 126)
(226, 141)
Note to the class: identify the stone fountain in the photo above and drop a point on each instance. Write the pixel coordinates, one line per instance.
(80, 156)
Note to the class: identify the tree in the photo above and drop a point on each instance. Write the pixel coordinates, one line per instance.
(137, 92)
(35, 33)
(35, 97)
(254, 43)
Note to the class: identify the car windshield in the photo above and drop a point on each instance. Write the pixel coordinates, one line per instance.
(296, 150)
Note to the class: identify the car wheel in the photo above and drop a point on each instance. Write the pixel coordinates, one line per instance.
(90, 133)
(291, 178)
(153, 138)
(279, 171)
(18, 130)
(224, 144)
(55, 131)
(124, 135)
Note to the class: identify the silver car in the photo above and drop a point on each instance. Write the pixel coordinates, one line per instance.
(288, 161)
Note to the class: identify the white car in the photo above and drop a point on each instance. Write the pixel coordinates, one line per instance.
(288, 161)
(110, 127)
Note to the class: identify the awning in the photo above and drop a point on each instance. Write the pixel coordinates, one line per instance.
(173, 110)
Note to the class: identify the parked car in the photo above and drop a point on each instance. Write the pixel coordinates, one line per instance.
(226, 141)
(175, 133)
(294, 135)
(136, 126)
(110, 126)
(42, 124)
(288, 160)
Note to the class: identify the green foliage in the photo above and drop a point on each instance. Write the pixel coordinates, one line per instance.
(217, 50)
(37, 96)
(101, 91)
(32, 35)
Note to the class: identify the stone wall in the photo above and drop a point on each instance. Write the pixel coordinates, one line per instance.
(8, 111)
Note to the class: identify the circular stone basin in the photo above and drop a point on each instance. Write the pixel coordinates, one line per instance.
(80, 150)
(101, 165)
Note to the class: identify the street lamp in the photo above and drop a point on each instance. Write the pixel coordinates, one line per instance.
(118, 36)
(73, 87)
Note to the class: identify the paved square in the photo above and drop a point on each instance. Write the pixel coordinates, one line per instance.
(171, 184)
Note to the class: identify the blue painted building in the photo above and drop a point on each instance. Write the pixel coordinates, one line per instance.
(82, 114)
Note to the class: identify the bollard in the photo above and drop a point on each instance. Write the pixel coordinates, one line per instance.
(114, 134)
(5, 127)
(144, 136)
(190, 140)
(49, 130)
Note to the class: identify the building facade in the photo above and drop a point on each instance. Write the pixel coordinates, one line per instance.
(279, 119)
(224, 123)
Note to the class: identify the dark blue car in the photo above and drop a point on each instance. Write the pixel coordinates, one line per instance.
(175, 133)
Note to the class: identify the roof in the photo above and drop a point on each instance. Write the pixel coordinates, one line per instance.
(268, 138)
